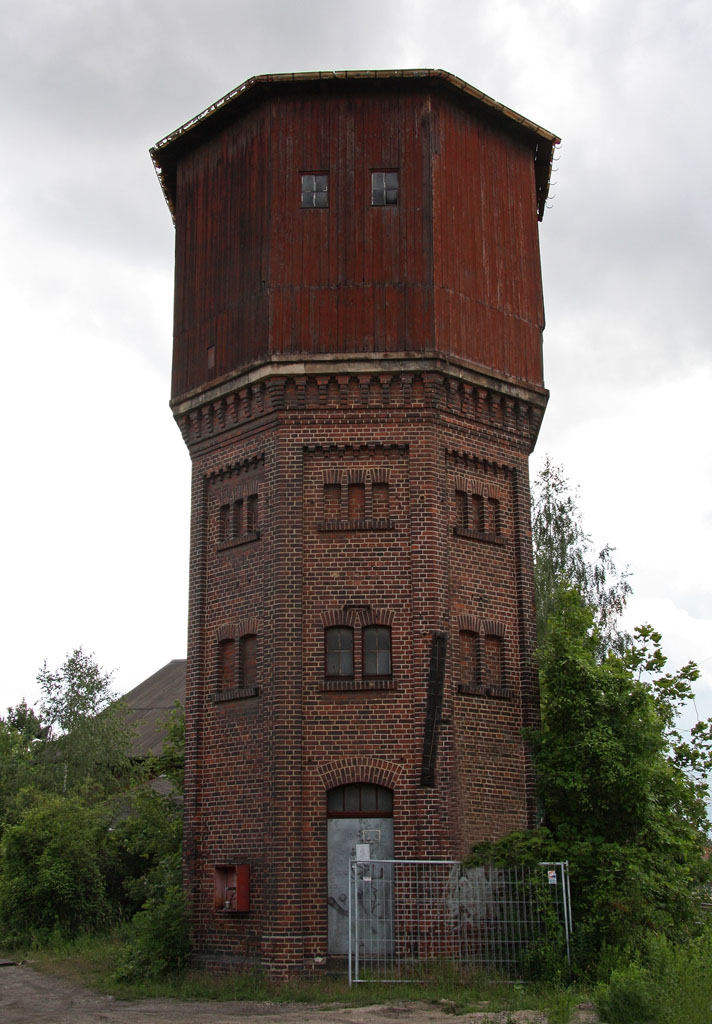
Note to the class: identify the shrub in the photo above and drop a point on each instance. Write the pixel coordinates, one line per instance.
(50, 879)
(159, 940)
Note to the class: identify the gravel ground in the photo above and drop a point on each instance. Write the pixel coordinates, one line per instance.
(29, 997)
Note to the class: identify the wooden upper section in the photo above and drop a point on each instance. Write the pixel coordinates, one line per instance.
(453, 267)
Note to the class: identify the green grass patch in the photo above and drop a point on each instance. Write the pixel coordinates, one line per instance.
(91, 961)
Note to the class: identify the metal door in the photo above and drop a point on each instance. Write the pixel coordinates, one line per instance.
(343, 836)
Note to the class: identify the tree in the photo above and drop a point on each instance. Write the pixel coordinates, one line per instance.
(564, 557)
(90, 738)
(619, 801)
(623, 792)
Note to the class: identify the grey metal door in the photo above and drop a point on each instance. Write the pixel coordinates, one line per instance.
(343, 836)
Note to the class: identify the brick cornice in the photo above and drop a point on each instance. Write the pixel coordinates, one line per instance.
(378, 382)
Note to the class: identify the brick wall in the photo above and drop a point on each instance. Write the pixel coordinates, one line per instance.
(353, 475)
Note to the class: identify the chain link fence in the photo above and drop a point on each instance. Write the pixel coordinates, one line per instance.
(407, 918)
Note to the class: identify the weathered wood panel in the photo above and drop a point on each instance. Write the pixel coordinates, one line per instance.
(454, 266)
(488, 296)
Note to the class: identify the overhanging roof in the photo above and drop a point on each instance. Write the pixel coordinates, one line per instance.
(166, 153)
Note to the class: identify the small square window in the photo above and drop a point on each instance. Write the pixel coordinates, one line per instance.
(384, 188)
(315, 191)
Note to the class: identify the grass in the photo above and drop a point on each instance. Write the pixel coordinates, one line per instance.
(91, 962)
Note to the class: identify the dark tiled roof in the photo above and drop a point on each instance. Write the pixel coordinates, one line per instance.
(150, 703)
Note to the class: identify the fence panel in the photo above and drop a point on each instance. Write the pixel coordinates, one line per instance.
(406, 917)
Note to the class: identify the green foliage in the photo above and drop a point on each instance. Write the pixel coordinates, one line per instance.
(623, 794)
(16, 766)
(564, 558)
(615, 789)
(159, 941)
(149, 828)
(90, 738)
(87, 838)
(171, 762)
(664, 983)
(50, 876)
(151, 834)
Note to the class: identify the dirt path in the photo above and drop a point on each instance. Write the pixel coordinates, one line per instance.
(28, 997)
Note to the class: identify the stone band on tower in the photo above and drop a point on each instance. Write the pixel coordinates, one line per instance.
(357, 374)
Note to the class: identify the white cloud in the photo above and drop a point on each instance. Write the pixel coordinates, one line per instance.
(96, 528)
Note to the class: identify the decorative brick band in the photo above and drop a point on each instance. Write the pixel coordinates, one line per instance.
(500, 403)
(475, 464)
(236, 542)
(498, 692)
(343, 525)
(236, 469)
(344, 449)
(235, 693)
(347, 770)
(371, 683)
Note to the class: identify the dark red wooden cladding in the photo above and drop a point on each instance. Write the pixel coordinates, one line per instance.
(453, 266)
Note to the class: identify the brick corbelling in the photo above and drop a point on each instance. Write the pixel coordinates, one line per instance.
(444, 386)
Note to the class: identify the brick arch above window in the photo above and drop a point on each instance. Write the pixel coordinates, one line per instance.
(236, 660)
(338, 617)
(473, 485)
(484, 667)
(476, 624)
(346, 771)
(234, 630)
(363, 615)
(377, 617)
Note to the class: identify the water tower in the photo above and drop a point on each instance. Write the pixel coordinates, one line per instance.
(357, 373)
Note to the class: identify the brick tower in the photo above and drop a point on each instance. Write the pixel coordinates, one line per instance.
(357, 374)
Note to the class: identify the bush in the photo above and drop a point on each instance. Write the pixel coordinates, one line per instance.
(159, 939)
(50, 879)
(630, 997)
(665, 983)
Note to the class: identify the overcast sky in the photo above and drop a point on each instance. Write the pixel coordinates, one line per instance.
(96, 475)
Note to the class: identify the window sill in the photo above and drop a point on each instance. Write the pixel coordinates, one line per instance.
(339, 525)
(488, 538)
(236, 693)
(375, 683)
(497, 692)
(244, 538)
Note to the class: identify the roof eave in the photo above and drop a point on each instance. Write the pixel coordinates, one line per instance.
(167, 150)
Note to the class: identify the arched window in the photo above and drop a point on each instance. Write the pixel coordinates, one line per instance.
(359, 800)
(377, 651)
(340, 652)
